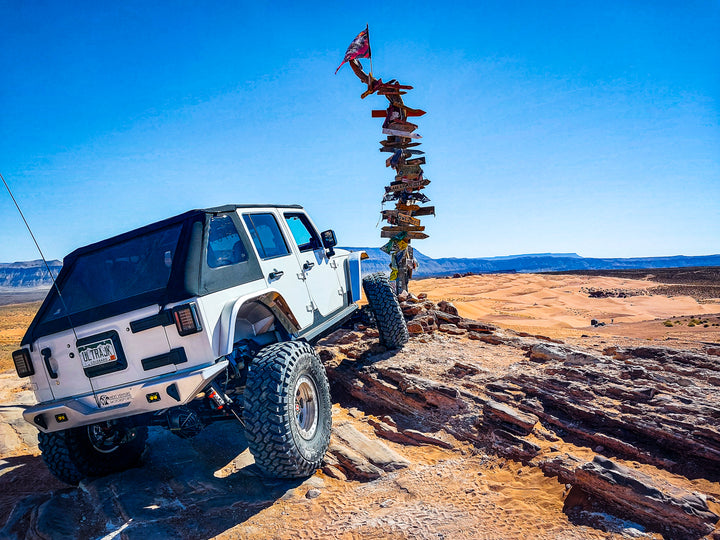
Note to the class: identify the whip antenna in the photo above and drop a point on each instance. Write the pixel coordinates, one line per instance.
(42, 256)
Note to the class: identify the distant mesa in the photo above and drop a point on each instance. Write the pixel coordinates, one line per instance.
(531, 262)
(26, 275)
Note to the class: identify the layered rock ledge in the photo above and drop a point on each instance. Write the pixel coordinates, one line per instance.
(634, 431)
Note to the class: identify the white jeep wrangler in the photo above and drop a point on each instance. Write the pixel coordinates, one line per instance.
(205, 316)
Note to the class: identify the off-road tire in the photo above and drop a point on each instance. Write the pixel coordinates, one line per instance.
(386, 308)
(276, 379)
(71, 456)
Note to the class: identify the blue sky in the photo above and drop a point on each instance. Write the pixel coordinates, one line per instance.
(588, 127)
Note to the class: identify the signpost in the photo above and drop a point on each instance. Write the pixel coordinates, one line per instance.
(405, 189)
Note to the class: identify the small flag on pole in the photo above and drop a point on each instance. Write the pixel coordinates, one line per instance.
(359, 48)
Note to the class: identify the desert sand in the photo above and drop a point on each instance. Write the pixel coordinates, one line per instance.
(559, 306)
(462, 481)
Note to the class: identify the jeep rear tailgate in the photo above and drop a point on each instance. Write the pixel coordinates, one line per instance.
(106, 353)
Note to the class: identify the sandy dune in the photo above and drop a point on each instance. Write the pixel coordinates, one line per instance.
(559, 305)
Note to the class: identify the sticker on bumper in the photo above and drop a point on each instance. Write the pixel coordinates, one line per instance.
(111, 400)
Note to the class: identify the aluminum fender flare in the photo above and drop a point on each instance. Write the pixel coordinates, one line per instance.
(353, 274)
(274, 302)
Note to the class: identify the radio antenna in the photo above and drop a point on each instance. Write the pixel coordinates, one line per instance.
(42, 256)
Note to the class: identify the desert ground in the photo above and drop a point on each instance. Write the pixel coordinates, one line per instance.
(511, 417)
(559, 305)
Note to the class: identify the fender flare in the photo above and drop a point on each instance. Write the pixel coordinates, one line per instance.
(271, 299)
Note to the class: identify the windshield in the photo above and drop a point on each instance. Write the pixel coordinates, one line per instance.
(116, 272)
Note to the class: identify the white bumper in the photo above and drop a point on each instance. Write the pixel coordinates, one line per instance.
(143, 397)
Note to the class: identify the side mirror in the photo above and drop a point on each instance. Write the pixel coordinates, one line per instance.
(329, 241)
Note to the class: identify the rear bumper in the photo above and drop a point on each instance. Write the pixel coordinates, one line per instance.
(142, 397)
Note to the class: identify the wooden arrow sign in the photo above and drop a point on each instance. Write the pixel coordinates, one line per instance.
(399, 142)
(414, 235)
(394, 218)
(400, 125)
(409, 177)
(416, 184)
(392, 83)
(402, 207)
(406, 170)
(407, 110)
(398, 133)
(409, 186)
(406, 228)
(409, 209)
(408, 151)
(424, 211)
(408, 220)
(396, 187)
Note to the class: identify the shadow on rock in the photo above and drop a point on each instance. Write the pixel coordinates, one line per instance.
(25, 483)
(194, 488)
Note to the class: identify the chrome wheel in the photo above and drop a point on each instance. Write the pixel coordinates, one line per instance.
(306, 407)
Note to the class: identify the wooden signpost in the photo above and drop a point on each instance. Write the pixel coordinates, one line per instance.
(405, 188)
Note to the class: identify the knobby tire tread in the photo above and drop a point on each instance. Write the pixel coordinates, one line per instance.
(70, 457)
(386, 308)
(267, 411)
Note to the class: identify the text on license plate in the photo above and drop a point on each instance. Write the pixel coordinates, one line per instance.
(100, 352)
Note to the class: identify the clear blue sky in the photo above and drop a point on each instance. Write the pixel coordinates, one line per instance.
(588, 127)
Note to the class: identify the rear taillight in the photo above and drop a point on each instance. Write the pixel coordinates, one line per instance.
(23, 364)
(186, 319)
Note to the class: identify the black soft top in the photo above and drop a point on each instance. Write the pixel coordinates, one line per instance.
(226, 208)
(190, 275)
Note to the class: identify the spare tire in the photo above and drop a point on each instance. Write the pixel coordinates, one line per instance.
(386, 308)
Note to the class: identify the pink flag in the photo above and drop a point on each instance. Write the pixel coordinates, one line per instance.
(359, 48)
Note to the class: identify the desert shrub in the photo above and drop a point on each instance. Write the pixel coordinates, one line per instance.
(705, 325)
(668, 324)
(691, 324)
(694, 321)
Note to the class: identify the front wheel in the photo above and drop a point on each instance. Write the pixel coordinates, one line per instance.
(287, 410)
(94, 450)
(386, 308)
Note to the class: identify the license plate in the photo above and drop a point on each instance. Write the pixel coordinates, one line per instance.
(98, 353)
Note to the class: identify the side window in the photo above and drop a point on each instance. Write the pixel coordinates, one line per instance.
(266, 235)
(303, 233)
(224, 244)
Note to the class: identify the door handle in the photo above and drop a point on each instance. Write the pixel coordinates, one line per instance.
(275, 274)
(308, 265)
(46, 354)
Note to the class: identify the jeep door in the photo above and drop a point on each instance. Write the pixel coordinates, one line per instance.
(319, 271)
(279, 263)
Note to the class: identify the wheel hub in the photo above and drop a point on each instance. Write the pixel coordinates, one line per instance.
(104, 437)
(306, 407)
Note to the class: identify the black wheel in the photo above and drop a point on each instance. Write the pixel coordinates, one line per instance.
(287, 411)
(94, 450)
(386, 308)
